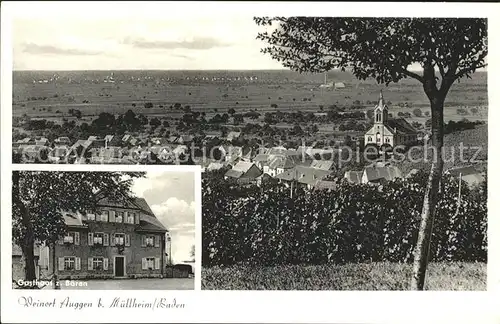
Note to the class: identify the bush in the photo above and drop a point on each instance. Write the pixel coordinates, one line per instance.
(148, 105)
(354, 223)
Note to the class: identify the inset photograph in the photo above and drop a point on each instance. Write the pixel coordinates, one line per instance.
(103, 230)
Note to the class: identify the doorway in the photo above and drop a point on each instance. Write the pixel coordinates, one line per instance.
(119, 266)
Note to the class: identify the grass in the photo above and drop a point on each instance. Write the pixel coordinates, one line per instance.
(365, 276)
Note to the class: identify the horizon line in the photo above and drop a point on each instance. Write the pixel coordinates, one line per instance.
(208, 70)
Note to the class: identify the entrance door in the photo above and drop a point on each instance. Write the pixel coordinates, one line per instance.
(119, 266)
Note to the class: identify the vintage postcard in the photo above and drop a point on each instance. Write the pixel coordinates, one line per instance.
(307, 154)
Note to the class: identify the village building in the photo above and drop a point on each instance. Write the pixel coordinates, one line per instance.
(124, 240)
(468, 174)
(353, 177)
(380, 174)
(243, 172)
(389, 131)
(233, 136)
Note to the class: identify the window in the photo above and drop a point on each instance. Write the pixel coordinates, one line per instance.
(119, 239)
(69, 238)
(150, 263)
(387, 140)
(150, 240)
(98, 263)
(119, 217)
(69, 263)
(104, 216)
(131, 218)
(98, 238)
(369, 138)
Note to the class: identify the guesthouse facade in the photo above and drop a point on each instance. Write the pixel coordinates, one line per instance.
(120, 241)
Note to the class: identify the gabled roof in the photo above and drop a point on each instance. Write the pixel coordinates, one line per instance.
(388, 173)
(261, 158)
(400, 126)
(353, 176)
(469, 175)
(323, 164)
(326, 185)
(233, 173)
(243, 166)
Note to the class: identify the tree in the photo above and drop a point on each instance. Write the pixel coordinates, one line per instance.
(231, 111)
(38, 198)
(191, 252)
(417, 112)
(154, 122)
(447, 49)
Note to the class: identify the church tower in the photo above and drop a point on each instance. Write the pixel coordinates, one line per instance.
(381, 111)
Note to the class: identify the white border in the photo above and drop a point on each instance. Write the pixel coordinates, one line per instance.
(290, 306)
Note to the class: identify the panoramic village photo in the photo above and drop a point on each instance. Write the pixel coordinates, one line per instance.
(336, 153)
(103, 230)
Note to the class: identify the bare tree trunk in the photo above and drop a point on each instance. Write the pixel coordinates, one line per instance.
(421, 253)
(27, 242)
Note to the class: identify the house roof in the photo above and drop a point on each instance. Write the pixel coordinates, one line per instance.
(311, 176)
(108, 138)
(261, 158)
(243, 166)
(326, 185)
(233, 134)
(214, 166)
(322, 164)
(353, 176)
(388, 173)
(469, 174)
(233, 173)
(400, 125)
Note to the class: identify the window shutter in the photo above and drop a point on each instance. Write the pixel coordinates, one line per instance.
(61, 264)
(157, 263)
(137, 218)
(111, 216)
(125, 217)
(105, 263)
(77, 263)
(112, 237)
(90, 239)
(105, 239)
(144, 265)
(77, 238)
(127, 239)
(143, 240)
(157, 241)
(90, 263)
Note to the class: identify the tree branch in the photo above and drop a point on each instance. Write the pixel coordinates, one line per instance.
(470, 69)
(413, 75)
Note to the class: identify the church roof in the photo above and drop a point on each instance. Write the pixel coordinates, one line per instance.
(400, 125)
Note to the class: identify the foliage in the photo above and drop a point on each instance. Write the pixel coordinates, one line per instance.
(354, 223)
(42, 196)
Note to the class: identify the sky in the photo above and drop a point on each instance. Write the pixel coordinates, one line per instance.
(75, 43)
(153, 35)
(171, 196)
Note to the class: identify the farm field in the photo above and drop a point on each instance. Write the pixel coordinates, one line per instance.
(363, 276)
(217, 91)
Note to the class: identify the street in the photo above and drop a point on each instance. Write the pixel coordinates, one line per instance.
(129, 284)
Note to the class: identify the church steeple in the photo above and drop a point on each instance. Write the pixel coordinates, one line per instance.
(381, 110)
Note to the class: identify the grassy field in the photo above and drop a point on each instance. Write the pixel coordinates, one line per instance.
(369, 276)
(289, 91)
